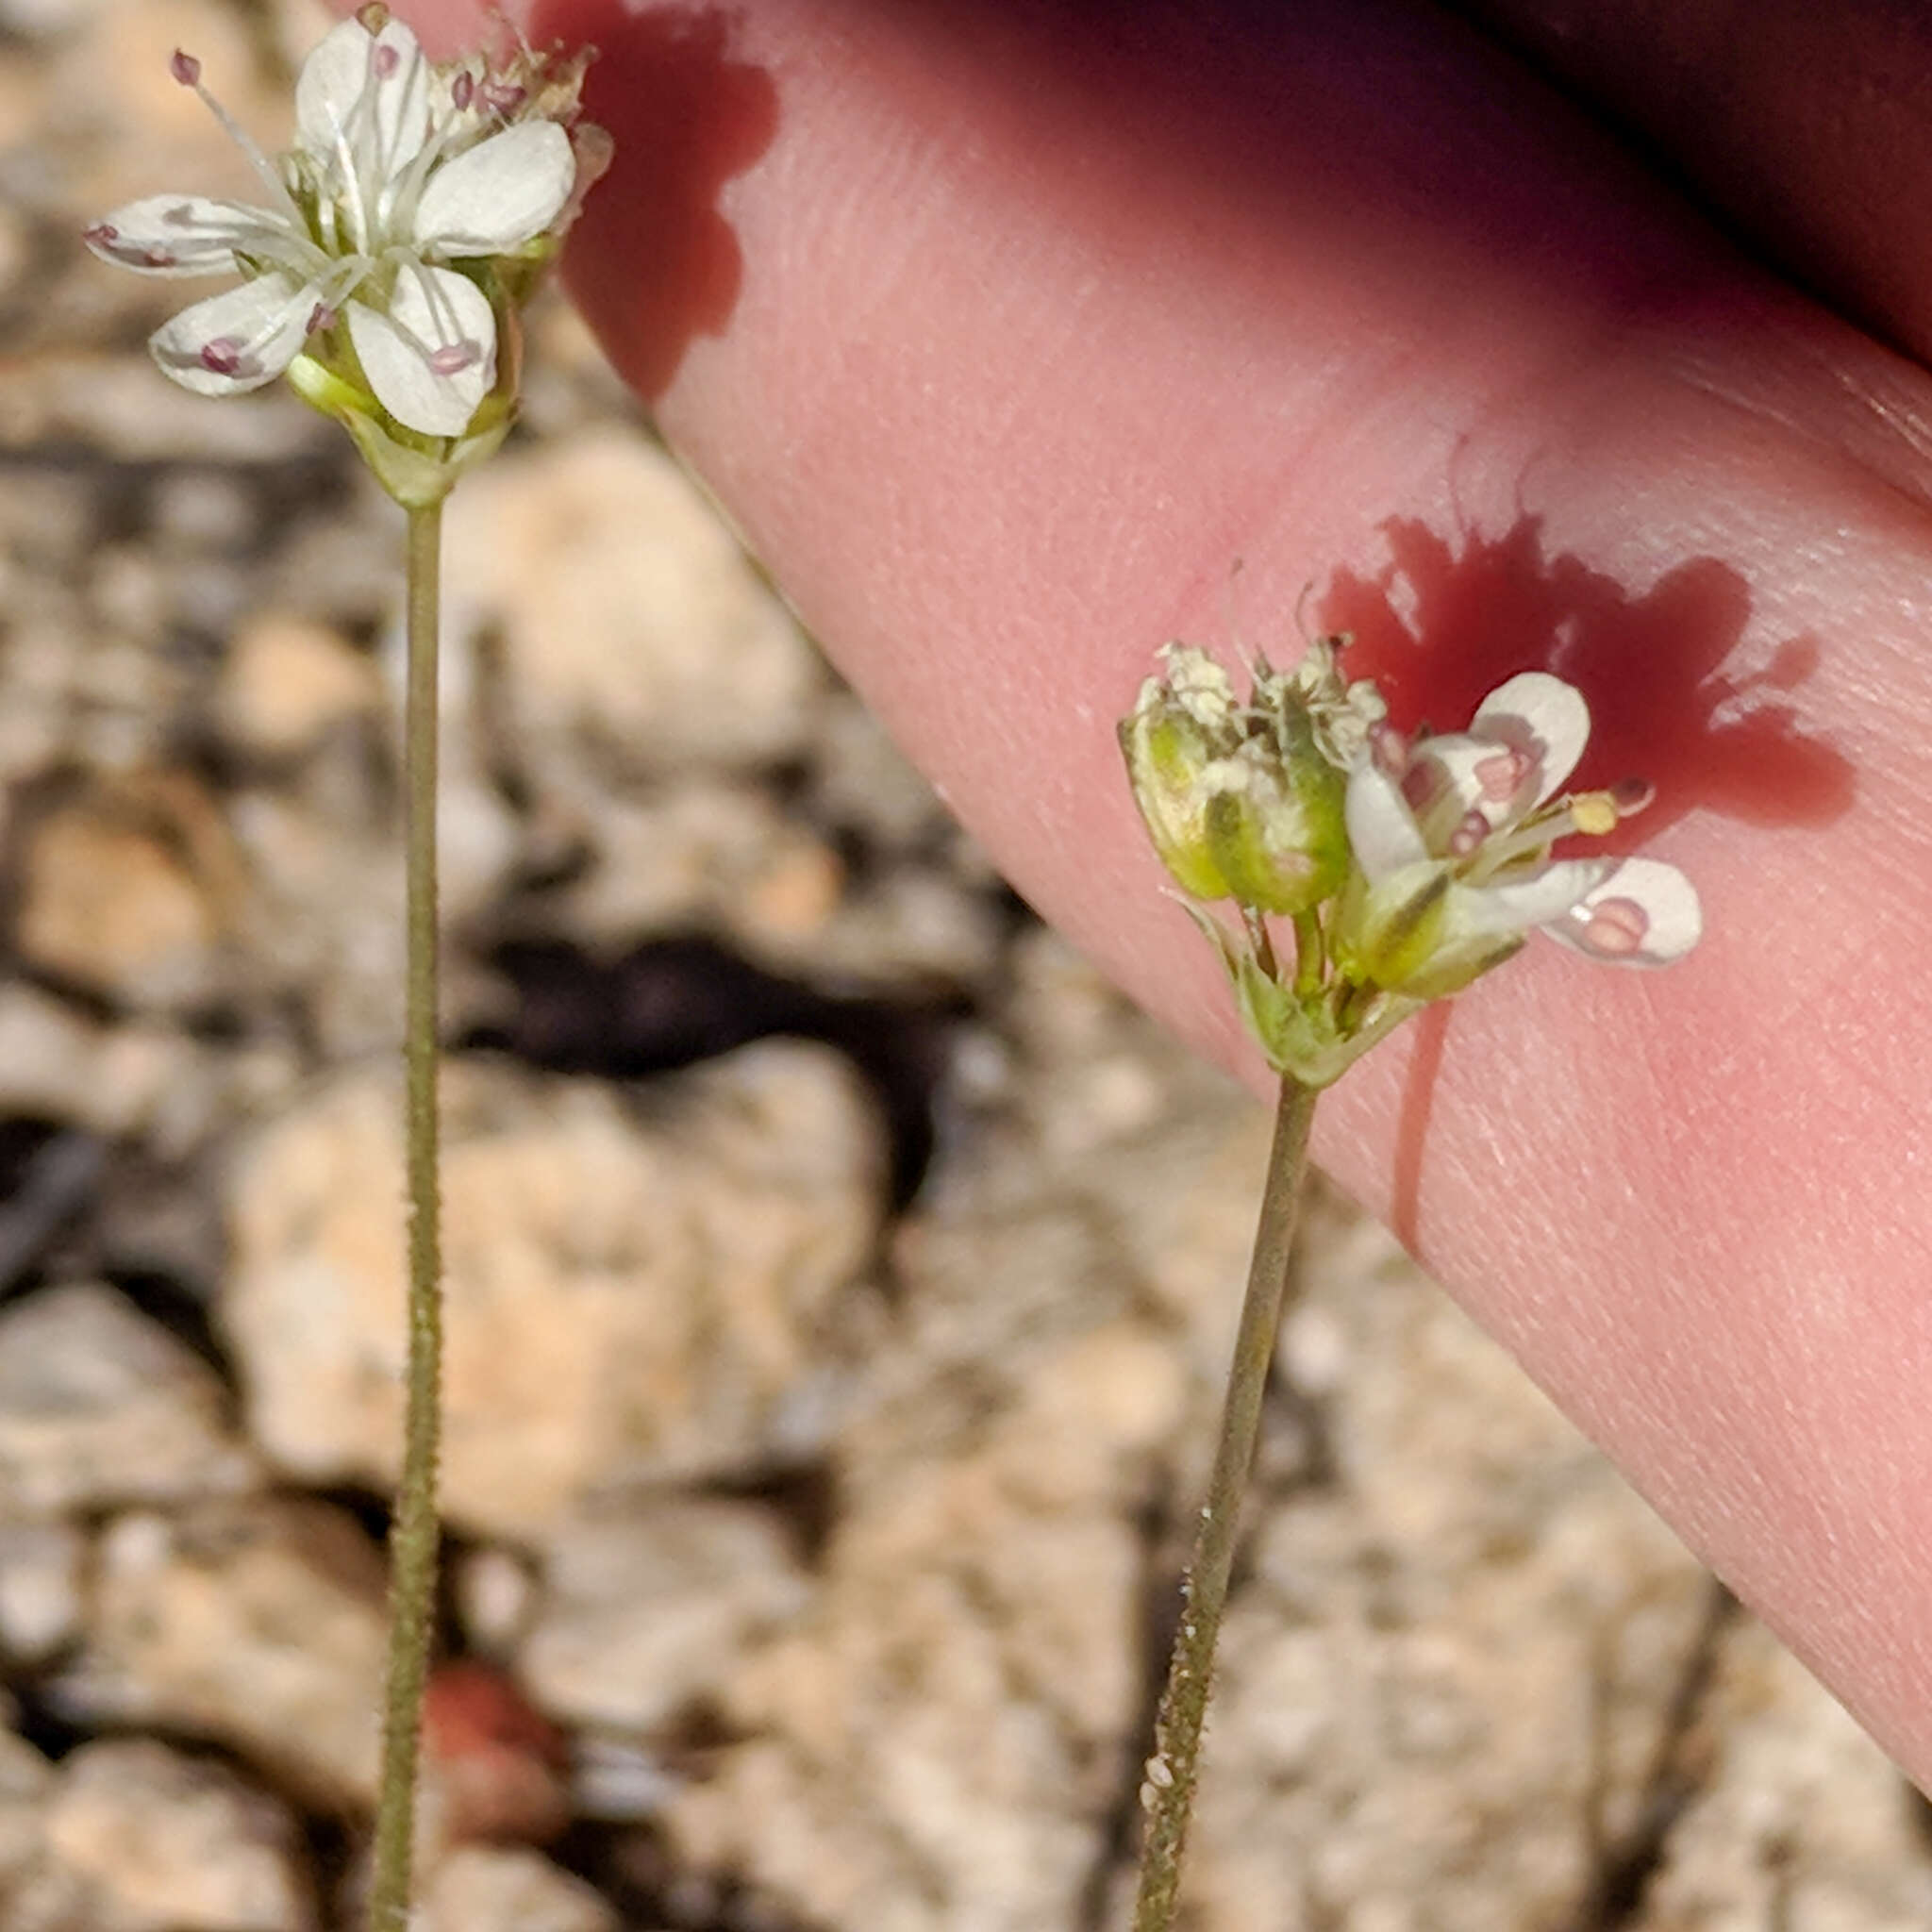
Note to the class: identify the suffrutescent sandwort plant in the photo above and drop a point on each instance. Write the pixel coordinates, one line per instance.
(1370, 874)
(383, 274)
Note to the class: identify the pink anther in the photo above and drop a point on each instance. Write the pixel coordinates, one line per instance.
(185, 68)
(1500, 774)
(1471, 828)
(222, 357)
(453, 357)
(1630, 795)
(463, 91)
(384, 61)
(1617, 926)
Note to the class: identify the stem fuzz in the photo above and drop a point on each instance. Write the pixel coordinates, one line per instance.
(1173, 1768)
(414, 1535)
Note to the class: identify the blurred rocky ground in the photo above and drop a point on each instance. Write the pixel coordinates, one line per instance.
(842, 1275)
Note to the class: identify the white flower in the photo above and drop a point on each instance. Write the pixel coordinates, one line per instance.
(399, 168)
(1452, 836)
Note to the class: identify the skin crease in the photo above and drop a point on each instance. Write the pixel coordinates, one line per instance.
(1006, 333)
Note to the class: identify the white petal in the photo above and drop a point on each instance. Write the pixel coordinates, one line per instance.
(186, 235)
(1381, 828)
(239, 341)
(499, 193)
(1552, 895)
(1482, 925)
(432, 357)
(369, 91)
(1539, 714)
(1450, 776)
(1642, 913)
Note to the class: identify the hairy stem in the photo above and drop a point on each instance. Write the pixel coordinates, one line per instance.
(413, 1535)
(1173, 1768)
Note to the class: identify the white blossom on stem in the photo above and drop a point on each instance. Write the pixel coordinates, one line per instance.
(1451, 838)
(403, 176)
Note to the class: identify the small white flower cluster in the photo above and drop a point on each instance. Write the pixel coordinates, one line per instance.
(1463, 824)
(1408, 868)
(408, 191)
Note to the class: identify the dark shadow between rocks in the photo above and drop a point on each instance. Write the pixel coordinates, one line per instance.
(652, 262)
(677, 1000)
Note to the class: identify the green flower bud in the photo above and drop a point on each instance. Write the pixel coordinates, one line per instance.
(1238, 799)
(1170, 744)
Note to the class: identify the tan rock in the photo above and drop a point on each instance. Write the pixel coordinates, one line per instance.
(935, 1742)
(938, 1740)
(40, 1589)
(289, 681)
(258, 1624)
(129, 891)
(27, 1780)
(636, 636)
(630, 1297)
(508, 1888)
(647, 1606)
(159, 1841)
(58, 1063)
(98, 1405)
(708, 854)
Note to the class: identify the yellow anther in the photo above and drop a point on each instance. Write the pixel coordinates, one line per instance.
(1594, 813)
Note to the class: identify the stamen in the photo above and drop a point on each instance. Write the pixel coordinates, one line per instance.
(187, 70)
(1631, 795)
(441, 349)
(1502, 775)
(384, 61)
(373, 17)
(463, 91)
(1616, 927)
(1471, 830)
(503, 96)
(1594, 814)
(101, 235)
(321, 317)
(356, 209)
(233, 356)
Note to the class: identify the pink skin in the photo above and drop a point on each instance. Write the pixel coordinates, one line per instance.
(1005, 339)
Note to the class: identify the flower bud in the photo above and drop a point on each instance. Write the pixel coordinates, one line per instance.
(1237, 799)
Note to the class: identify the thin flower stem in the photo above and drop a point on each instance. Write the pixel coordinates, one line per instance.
(1172, 1772)
(413, 1535)
(1311, 958)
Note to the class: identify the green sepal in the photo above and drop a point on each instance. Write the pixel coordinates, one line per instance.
(417, 471)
